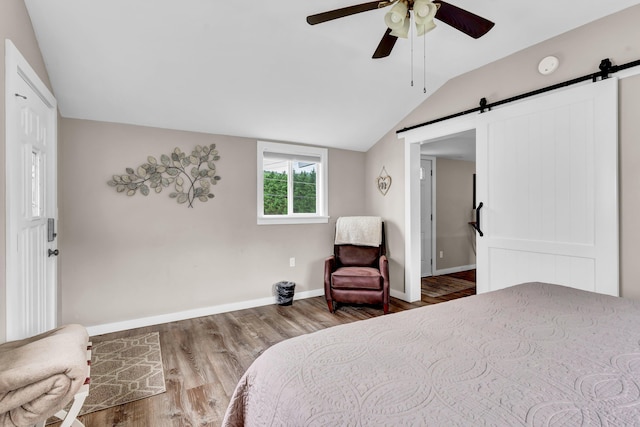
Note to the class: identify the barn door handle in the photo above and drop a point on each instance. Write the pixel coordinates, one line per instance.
(476, 225)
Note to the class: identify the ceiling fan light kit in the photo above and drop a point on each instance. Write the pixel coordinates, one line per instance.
(398, 18)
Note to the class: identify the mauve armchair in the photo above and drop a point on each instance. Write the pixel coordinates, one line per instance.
(357, 274)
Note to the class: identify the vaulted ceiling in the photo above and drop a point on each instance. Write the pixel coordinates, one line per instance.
(257, 69)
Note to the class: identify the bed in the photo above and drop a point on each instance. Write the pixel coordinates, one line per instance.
(534, 354)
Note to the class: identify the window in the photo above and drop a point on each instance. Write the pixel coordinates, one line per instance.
(36, 184)
(292, 184)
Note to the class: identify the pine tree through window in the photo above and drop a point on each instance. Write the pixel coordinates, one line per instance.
(291, 183)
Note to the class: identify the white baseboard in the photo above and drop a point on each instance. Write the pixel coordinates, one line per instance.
(190, 314)
(454, 269)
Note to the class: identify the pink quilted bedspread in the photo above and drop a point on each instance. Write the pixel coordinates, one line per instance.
(533, 354)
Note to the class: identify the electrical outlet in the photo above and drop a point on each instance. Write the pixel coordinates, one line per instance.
(292, 262)
(441, 254)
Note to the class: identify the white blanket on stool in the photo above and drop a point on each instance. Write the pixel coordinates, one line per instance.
(359, 230)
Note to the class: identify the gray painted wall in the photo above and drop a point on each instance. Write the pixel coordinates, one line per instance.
(125, 258)
(454, 202)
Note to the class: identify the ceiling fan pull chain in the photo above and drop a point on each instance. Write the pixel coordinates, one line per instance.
(411, 37)
(424, 64)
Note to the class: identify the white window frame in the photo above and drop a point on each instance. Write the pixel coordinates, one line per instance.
(322, 189)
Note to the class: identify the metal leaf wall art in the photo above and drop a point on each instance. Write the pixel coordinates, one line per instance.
(190, 175)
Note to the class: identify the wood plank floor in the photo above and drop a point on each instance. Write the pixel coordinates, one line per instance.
(205, 357)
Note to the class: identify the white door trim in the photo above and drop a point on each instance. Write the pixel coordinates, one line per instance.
(17, 67)
(433, 212)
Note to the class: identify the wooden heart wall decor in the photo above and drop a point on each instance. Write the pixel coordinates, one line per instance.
(383, 181)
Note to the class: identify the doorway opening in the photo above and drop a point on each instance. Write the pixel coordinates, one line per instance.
(447, 211)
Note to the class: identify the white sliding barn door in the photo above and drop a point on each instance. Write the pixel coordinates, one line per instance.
(547, 178)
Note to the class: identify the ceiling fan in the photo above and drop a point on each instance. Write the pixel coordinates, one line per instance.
(399, 16)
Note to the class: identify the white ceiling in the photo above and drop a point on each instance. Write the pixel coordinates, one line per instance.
(461, 146)
(257, 69)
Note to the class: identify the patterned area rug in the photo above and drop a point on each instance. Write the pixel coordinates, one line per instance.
(437, 286)
(124, 370)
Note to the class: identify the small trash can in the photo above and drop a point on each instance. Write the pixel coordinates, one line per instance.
(284, 293)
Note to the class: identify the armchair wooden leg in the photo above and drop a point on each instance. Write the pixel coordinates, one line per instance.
(385, 308)
(332, 307)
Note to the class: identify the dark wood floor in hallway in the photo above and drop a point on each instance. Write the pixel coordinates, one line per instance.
(437, 289)
(205, 357)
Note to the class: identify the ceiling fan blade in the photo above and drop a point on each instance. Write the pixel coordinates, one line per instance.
(385, 46)
(340, 13)
(460, 19)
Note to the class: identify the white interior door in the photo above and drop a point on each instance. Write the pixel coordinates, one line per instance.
(426, 217)
(31, 200)
(547, 178)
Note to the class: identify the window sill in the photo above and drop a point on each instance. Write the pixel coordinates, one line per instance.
(293, 220)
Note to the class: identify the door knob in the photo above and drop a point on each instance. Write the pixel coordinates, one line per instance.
(54, 252)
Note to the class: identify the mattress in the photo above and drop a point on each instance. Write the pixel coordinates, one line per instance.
(534, 354)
